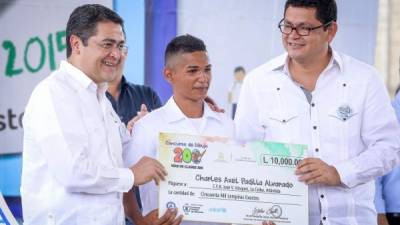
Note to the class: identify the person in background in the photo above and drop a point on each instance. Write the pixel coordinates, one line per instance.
(239, 73)
(131, 102)
(387, 197)
(331, 102)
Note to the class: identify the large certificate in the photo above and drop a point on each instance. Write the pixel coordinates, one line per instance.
(215, 179)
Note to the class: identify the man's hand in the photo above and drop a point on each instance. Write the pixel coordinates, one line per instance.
(143, 111)
(316, 171)
(148, 169)
(214, 107)
(169, 218)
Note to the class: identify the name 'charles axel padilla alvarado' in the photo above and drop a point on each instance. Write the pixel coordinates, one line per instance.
(250, 181)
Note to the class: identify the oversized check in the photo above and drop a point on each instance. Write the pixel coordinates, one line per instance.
(215, 179)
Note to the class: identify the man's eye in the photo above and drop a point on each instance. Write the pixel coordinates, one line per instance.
(107, 45)
(207, 70)
(192, 71)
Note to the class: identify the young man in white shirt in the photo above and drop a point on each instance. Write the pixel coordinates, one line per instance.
(188, 70)
(73, 171)
(335, 104)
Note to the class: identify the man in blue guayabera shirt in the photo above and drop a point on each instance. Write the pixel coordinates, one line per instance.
(387, 198)
(131, 102)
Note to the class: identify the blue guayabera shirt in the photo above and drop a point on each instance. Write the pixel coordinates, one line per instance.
(131, 97)
(387, 198)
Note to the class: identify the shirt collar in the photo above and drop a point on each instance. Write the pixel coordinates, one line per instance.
(337, 60)
(174, 113)
(281, 63)
(123, 83)
(81, 78)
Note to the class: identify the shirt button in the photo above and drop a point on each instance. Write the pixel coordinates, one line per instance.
(322, 196)
(283, 121)
(317, 150)
(314, 127)
(313, 104)
(324, 218)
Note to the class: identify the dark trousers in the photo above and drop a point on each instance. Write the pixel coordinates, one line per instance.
(393, 218)
(234, 106)
(137, 193)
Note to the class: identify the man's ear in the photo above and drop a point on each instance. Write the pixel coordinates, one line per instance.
(332, 29)
(76, 44)
(168, 75)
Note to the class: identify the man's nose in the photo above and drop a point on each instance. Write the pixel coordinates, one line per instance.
(204, 76)
(294, 33)
(115, 52)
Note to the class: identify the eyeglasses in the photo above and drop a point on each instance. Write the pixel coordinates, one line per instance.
(109, 46)
(302, 30)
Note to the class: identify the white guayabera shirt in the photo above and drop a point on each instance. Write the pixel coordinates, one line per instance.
(349, 124)
(72, 160)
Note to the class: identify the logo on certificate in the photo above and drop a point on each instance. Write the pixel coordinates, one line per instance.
(217, 210)
(192, 208)
(171, 205)
(188, 155)
(220, 157)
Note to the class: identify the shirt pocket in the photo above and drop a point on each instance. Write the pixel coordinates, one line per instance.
(344, 120)
(96, 137)
(118, 135)
(94, 125)
(279, 125)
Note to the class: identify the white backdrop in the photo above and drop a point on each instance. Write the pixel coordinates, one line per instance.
(32, 42)
(245, 33)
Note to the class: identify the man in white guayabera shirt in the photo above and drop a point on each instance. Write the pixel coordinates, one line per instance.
(335, 104)
(73, 172)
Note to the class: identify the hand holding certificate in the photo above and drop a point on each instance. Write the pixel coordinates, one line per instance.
(217, 180)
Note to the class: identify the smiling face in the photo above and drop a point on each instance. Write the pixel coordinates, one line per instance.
(101, 59)
(190, 75)
(311, 47)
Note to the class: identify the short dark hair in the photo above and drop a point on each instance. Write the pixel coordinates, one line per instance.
(326, 10)
(238, 69)
(183, 44)
(83, 22)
